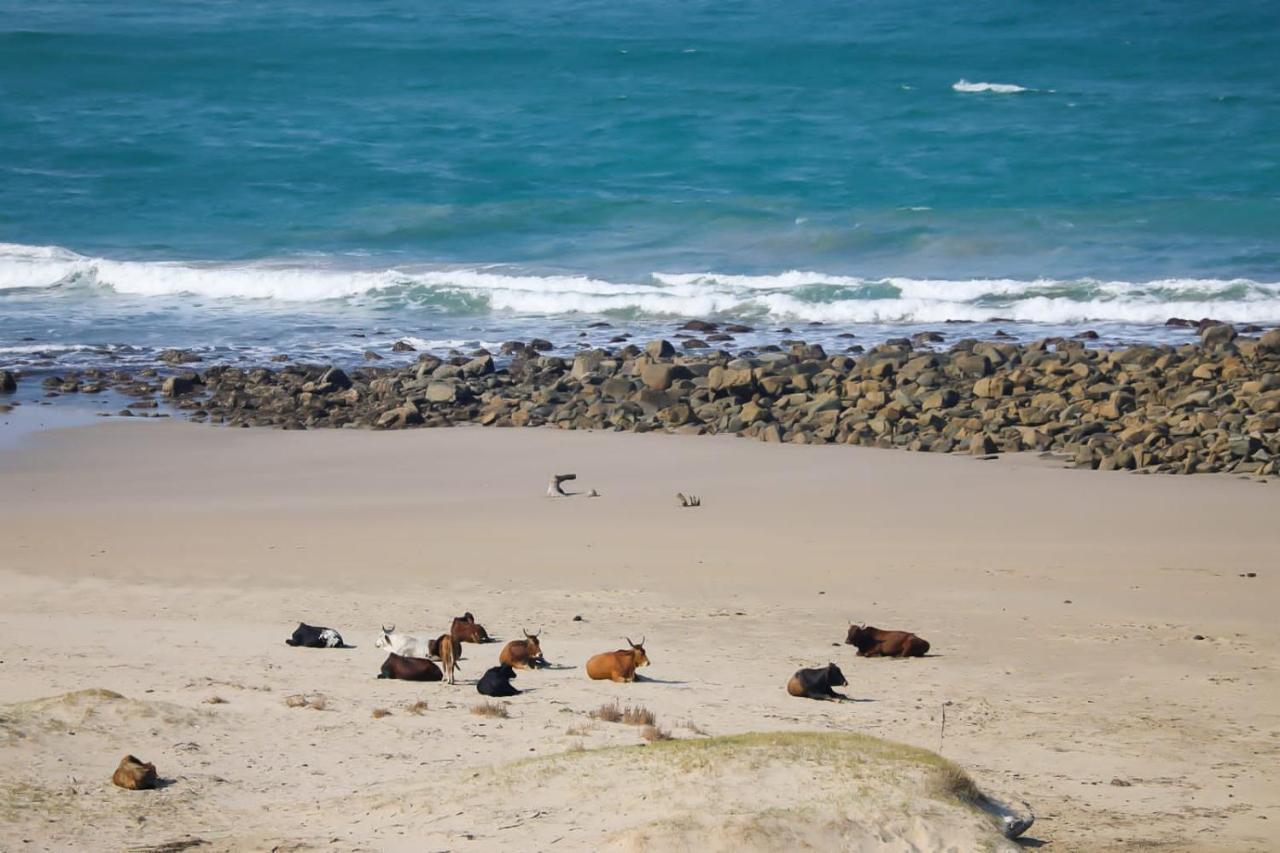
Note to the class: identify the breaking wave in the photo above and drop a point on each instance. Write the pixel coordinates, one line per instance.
(963, 85)
(787, 296)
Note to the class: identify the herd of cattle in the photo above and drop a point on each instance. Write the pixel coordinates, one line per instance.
(411, 658)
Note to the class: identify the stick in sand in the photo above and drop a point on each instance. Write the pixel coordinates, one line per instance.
(553, 487)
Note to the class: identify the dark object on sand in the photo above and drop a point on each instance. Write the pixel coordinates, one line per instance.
(410, 669)
(817, 683)
(134, 774)
(315, 637)
(496, 681)
(688, 500)
(874, 643)
(553, 487)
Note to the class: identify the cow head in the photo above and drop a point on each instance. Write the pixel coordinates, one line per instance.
(506, 672)
(856, 634)
(531, 643)
(637, 653)
(385, 640)
(835, 677)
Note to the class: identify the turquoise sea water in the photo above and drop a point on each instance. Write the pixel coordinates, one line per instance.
(255, 176)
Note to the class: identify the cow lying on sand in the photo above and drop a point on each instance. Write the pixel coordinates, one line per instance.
(315, 637)
(465, 630)
(410, 669)
(405, 645)
(874, 643)
(620, 665)
(523, 654)
(817, 683)
(496, 681)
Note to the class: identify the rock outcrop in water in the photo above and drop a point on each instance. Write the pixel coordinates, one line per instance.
(1207, 407)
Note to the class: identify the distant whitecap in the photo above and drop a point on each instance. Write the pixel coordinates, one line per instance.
(999, 88)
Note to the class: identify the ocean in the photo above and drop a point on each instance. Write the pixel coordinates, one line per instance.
(321, 178)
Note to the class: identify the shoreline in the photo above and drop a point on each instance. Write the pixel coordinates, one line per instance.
(1062, 609)
(1198, 408)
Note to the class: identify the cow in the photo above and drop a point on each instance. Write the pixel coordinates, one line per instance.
(496, 681)
(817, 683)
(315, 637)
(135, 774)
(405, 645)
(448, 649)
(874, 643)
(465, 630)
(523, 654)
(620, 665)
(433, 646)
(410, 669)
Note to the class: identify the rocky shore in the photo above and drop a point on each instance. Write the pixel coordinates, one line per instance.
(1211, 406)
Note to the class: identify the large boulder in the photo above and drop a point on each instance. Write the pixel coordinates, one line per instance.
(442, 392)
(661, 375)
(659, 349)
(1217, 335)
(8, 382)
(1270, 342)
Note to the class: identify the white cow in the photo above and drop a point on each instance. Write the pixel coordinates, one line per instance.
(405, 645)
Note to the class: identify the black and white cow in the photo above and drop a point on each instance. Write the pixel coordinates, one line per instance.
(315, 637)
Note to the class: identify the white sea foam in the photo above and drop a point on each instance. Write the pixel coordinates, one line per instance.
(963, 85)
(800, 295)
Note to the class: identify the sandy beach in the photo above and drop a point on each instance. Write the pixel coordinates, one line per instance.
(166, 563)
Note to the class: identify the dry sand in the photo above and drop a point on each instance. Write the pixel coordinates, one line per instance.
(167, 563)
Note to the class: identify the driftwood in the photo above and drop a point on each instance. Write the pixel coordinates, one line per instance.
(1014, 826)
(553, 487)
(688, 500)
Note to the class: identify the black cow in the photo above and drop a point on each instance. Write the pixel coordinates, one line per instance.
(817, 683)
(410, 669)
(315, 637)
(496, 681)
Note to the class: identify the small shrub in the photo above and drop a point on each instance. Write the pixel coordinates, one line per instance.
(215, 700)
(580, 729)
(491, 709)
(418, 708)
(609, 713)
(652, 734)
(638, 715)
(379, 713)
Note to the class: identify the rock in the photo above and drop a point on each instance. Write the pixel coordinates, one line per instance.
(442, 392)
(992, 386)
(334, 378)
(587, 362)
(399, 417)
(695, 343)
(659, 349)
(370, 355)
(403, 346)
(734, 381)
(134, 774)
(660, 375)
(541, 345)
(1270, 342)
(479, 366)
(179, 356)
(1217, 335)
(8, 382)
(176, 386)
(699, 326)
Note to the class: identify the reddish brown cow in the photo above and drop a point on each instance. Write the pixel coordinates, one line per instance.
(523, 654)
(465, 630)
(620, 665)
(448, 655)
(410, 669)
(875, 643)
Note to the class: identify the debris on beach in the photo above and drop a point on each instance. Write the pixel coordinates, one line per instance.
(555, 488)
(688, 500)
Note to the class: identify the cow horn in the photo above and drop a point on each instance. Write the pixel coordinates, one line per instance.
(629, 643)
(387, 630)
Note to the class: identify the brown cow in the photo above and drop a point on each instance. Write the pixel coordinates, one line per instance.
(135, 774)
(620, 665)
(448, 655)
(523, 654)
(465, 630)
(410, 669)
(874, 643)
(433, 646)
(817, 683)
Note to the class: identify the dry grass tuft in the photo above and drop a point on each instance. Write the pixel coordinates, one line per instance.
(951, 781)
(580, 729)
(379, 713)
(215, 700)
(652, 734)
(491, 709)
(695, 728)
(314, 701)
(638, 715)
(609, 713)
(418, 708)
